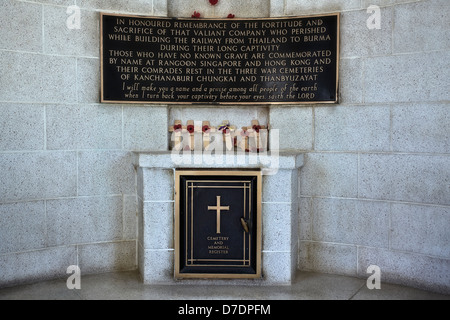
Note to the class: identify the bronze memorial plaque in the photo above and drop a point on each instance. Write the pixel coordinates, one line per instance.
(219, 61)
(218, 224)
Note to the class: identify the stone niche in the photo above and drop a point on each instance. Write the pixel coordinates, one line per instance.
(280, 197)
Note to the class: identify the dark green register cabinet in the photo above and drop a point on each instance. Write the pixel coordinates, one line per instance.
(218, 224)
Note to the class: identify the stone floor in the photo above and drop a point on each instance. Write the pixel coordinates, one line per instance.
(128, 286)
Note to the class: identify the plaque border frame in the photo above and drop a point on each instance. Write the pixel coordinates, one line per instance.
(338, 35)
(244, 261)
(177, 249)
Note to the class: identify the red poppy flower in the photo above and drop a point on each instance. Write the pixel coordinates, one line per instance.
(230, 16)
(256, 128)
(196, 15)
(177, 127)
(213, 2)
(205, 129)
(190, 128)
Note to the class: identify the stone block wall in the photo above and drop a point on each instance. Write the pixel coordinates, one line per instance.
(375, 185)
(374, 188)
(67, 181)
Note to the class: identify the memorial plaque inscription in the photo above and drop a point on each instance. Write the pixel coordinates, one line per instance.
(235, 61)
(218, 224)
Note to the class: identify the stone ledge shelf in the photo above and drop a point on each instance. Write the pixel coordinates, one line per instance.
(280, 197)
(269, 162)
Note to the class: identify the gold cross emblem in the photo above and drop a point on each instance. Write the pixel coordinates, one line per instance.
(218, 208)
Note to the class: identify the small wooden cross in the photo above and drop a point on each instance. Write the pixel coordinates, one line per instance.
(242, 142)
(255, 133)
(227, 129)
(190, 127)
(206, 130)
(177, 129)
